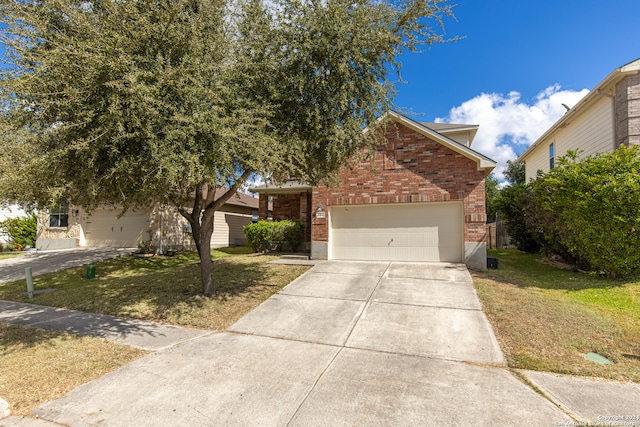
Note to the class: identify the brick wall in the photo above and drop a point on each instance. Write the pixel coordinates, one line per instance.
(305, 212)
(286, 206)
(410, 169)
(295, 207)
(263, 206)
(628, 111)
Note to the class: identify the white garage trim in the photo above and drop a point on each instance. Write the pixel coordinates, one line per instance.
(397, 232)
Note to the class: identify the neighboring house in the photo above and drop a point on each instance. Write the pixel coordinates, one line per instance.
(421, 198)
(6, 212)
(70, 226)
(606, 118)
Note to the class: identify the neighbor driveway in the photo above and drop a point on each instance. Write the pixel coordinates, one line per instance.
(44, 262)
(347, 343)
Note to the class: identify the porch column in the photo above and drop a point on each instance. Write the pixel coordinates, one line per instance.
(263, 206)
(305, 210)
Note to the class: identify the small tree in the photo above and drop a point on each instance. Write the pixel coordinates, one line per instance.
(515, 172)
(513, 206)
(492, 191)
(512, 203)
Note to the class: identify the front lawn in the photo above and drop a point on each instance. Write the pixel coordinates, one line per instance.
(164, 289)
(547, 318)
(39, 365)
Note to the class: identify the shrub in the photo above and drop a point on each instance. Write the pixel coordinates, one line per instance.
(289, 234)
(589, 209)
(146, 247)
(258, 235)
(21, 231)
(274, 235)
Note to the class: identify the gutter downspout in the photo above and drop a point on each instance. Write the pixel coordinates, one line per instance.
(614, 113)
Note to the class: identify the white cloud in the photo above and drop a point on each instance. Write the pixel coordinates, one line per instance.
(508, 125)
(255, 180)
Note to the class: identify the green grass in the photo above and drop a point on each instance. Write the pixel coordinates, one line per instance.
(9, 255)
(39, 365)
(546, 318)
(236, 250)
(164, 289)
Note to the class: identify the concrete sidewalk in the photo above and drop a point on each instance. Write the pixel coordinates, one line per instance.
(347, 343)
(134, 333)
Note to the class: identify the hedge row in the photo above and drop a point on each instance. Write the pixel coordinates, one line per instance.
(587, 210)
(274, 235)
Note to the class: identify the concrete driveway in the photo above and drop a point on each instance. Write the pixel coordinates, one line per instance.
(44, 262)
(347, 343)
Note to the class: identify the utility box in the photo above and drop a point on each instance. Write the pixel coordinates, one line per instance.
(91, 272)
(492, 262)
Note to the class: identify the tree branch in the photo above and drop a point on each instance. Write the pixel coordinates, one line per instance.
(197, 203)
(216, 204)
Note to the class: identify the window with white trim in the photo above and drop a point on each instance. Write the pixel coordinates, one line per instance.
(59, 215)
(552, 156)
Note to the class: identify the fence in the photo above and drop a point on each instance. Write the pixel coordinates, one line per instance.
(497, 237)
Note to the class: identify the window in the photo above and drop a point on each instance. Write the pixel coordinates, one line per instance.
(59, 216)
(552, 156)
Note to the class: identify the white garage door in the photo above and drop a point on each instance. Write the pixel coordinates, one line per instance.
(397, 232)
(104, 228)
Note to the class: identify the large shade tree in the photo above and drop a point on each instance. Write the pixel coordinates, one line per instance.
(135, 102)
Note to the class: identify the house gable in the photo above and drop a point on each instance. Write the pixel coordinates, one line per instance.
(414, 166)
(461, 133)
(482, 161)
(411, 167)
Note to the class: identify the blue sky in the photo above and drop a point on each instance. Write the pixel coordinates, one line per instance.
(526, 57)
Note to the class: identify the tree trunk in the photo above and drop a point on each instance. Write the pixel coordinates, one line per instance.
(201, 219)
(204, 250)
(202, 230)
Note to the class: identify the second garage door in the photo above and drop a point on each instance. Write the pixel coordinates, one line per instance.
(397, 232)
(104, 228)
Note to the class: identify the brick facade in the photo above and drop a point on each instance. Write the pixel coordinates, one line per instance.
(263, 207)
(411, 168)
(295, 206)
(628, 111)
(286, 206)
